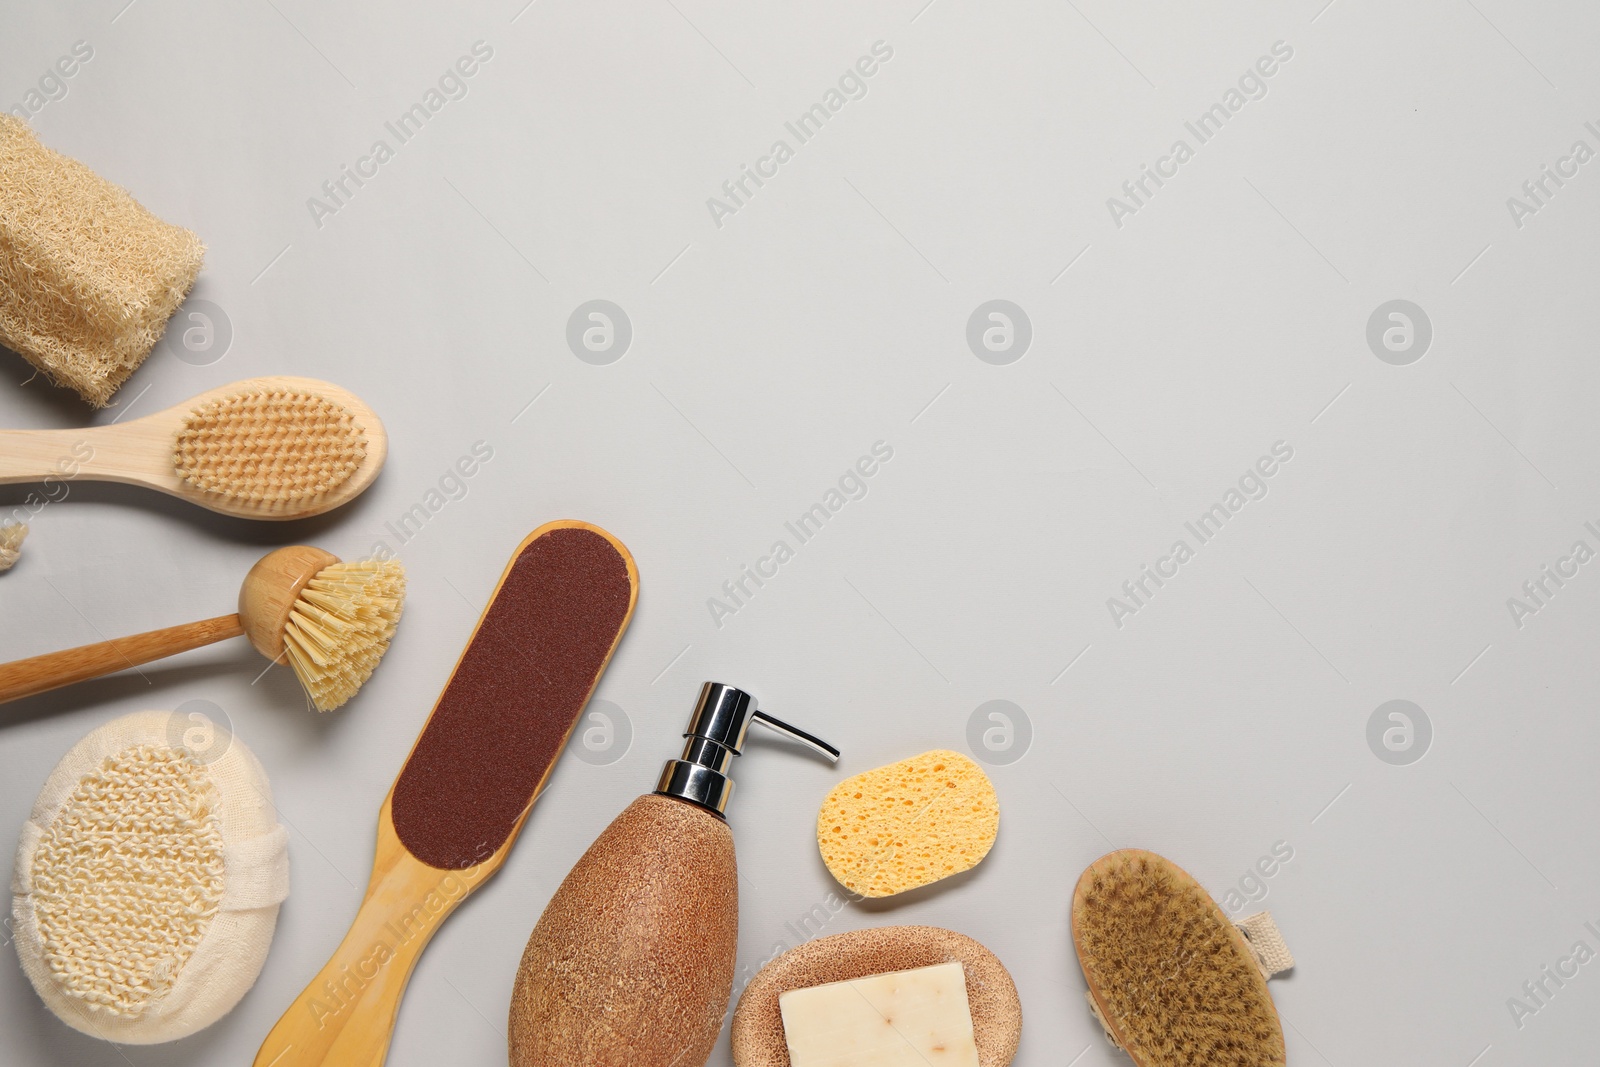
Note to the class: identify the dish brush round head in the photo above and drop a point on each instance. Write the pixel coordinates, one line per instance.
(270, 446)
(88, 277)
(908, 824)
(1172, 978)
(331, 621)
(148, 879)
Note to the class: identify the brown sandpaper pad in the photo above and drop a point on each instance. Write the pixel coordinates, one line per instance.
(515, 695)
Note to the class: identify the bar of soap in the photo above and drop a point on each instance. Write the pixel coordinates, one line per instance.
(912, 1018)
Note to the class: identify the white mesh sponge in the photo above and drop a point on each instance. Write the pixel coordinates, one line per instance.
(148, 880)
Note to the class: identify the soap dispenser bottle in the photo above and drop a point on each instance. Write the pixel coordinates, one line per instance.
(631, 964)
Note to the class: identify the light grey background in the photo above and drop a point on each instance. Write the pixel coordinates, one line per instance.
(829, 312)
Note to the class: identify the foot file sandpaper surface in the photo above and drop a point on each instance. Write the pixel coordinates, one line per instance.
(516, 694)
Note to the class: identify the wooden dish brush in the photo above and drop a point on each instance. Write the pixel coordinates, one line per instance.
(263, 448)
(332, 621)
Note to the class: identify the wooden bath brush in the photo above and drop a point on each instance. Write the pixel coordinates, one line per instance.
(1172, 980)
(480, 762)
(263, 448)
(332, 622)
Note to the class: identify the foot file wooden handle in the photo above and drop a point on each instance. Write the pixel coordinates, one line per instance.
(471, 778)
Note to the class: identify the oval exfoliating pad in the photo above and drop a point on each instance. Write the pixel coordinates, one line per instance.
(908, 824)
(1173, 981)
(758, 1035)
(148, 880)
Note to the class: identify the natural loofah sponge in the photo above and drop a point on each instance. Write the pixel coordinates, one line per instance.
(1173, 981)
(148, 879)
(88, 277)
(908, 824)
(12, 534)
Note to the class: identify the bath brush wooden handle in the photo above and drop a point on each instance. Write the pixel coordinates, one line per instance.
(99, 454)
(39, 674)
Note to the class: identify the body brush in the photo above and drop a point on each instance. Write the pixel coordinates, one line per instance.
(332, 621)
(1172, 980)
(459, 802)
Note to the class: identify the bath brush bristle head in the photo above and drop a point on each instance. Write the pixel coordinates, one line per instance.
(271, 447)
(1172, 978)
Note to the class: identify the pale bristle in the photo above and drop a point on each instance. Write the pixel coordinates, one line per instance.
(269, 446)
(1171, 975)
(341, 625)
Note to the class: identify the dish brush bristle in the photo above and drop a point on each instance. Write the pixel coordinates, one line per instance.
(341, 625)
(269, 446)
(1171, 975)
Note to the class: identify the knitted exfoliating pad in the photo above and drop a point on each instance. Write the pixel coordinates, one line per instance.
(1173, 981)
(907, 824)
(88, 277)
(148, 879)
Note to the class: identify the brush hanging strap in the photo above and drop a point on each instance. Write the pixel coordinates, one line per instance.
(1094, 1009)
(1271, 952)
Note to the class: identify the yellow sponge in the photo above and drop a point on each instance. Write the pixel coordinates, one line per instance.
(88, 277)
(908, 824)
(1173, 981)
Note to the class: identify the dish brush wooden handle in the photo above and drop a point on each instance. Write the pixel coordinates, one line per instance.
(346, 1015)
(38, 674)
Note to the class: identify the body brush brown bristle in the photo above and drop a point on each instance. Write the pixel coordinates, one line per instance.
(1172, 980)
(472, 777)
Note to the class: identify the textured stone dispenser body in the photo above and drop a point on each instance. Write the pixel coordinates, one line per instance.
(631, 964)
